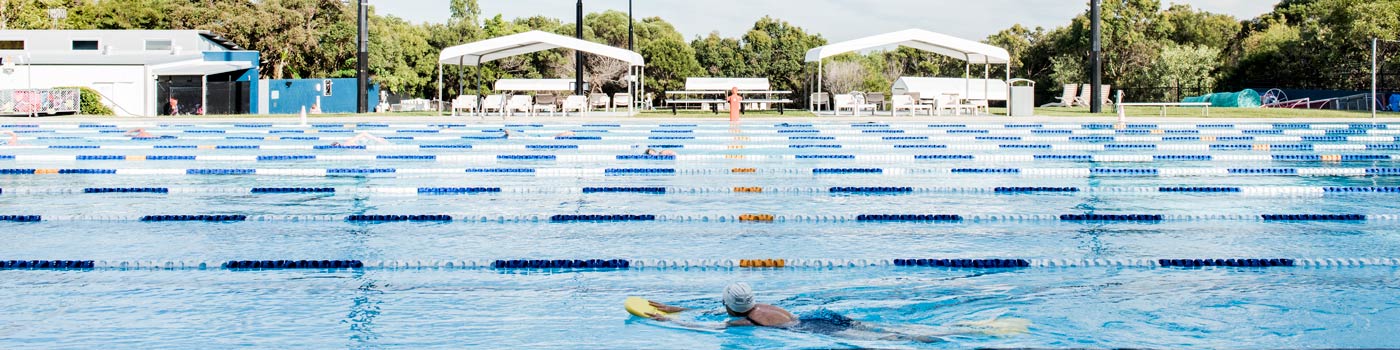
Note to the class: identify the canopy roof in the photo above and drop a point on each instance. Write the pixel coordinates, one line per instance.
(488, 50)
(962, 49)
(724, 84)
(534, 84)
(195, 67)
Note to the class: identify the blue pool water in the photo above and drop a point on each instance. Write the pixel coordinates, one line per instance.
(1312, 193)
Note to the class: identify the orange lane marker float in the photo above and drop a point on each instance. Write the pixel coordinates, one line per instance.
(1261, 147)
(743, 170)
(45, 171)
(756, 218)
(1332, 158)
(762, 263)
(135, 158)
(748, 189)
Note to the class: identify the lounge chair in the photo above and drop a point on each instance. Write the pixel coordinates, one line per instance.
(519, 103)
(1067, 99)
(598, 100)
(575, 103)
(1083, 99)
(545, 103)
(466, 103)
(817, 100)
(906, 102)
(950, 102)
(875, 98)
(854, 101)
(493, 103)
(1105, 95)
(621, 100)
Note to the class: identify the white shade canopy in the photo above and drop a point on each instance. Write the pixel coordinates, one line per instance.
(976, 89)
(962, 49)
(488, 50)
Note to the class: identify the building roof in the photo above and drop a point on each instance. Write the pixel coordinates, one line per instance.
(125, 59)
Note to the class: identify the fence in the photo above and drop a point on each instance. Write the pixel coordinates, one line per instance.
(1161, 94)
(33, 102)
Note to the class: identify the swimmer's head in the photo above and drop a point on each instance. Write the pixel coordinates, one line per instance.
(738, 298)
(652, 152)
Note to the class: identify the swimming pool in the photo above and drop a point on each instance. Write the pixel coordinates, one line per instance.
(454, 236)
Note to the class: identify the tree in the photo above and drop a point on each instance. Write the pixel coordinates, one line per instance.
(843, 76)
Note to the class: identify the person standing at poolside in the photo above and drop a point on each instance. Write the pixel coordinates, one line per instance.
(735, 104)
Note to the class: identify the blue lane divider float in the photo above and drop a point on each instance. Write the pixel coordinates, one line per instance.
(1313, 217)
(1111, 217)
(872, 190)
(650, 190)
(21, 218)
(203, 218)
(562, 264)
(126, 190)
(458, 190)
(1225, 262)
(1034, 189)
(46, 264)
(1390, 189)
(292, 264)
(847, 171)
(284, 190)
(639, 171)
(1199, 189)
(399, 218)
(601, 217)
(909, 218)
(964, 263)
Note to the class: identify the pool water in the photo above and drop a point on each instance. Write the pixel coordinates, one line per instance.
(1012, 190)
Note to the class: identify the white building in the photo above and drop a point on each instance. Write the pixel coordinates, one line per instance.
(136, 71)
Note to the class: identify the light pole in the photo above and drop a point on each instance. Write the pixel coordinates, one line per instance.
(1096, 61)
(362, 58)
(629, 26)
(578, 56)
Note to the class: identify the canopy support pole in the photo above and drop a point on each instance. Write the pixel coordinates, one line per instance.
(480, 100)
(439, 86)
(821, 73)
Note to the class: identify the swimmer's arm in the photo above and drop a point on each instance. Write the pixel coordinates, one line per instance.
(691, 325)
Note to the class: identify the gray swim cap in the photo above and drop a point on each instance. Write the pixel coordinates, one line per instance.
(739, 297)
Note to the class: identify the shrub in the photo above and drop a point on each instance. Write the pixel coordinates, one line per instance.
(90, 102)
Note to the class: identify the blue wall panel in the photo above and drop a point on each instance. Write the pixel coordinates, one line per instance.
(288, 96)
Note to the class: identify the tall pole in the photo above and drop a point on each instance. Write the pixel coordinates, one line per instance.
(578, 55)
(629, 26)
(362, 59)
(1095, 61)
(1374, 42)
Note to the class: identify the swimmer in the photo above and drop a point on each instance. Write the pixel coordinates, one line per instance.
(14, 138)
(740, 304)
(656, 152)
(506, 133)
(139, 133)
(361, 138)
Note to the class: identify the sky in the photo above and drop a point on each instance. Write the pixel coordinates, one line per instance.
(835, 19)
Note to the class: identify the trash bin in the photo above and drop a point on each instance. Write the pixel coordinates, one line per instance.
(1021, 101)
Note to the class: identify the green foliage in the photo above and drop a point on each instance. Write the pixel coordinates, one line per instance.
(90, 102)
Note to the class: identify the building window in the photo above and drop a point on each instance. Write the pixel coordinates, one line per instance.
(87, 45)
(158, 45)
(11, 44)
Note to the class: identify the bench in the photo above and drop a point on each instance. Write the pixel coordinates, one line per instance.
(715, 102)
(1162, 105)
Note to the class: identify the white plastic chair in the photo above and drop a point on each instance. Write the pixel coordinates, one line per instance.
(493, 103)
(597, 100)
(906, 102)
(621, 100)
(466, 103)
(519, 103)
(575, 103)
